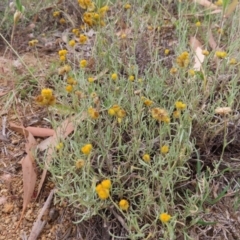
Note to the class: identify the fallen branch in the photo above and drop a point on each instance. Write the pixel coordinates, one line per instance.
(39, 224)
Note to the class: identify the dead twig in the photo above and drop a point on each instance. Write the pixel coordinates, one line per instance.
(39, 224)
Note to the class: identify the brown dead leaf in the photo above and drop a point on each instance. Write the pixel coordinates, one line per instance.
(35, 131)
(230, 9)
(206, 3)
(19, 129)
(62, 132)
(40, 132)
(199, 57)
(29, 174)
(211, 40)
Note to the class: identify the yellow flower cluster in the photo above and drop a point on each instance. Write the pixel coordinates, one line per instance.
(86, 4)
(93, 113)
(146, 157)
(83, 39)
(124, 204)
(72, 43)
(83, 63)
(86, 149)
(114, 76)
(56, 14)
(95, 18)
(160, 114)
(164, 149)
(179, 106)
(64, 69)
(59, 146)
(164, 217)
(33, 43)
(147, 101)
(221, 54)
(62, 54)
(131, 78)
(205, 52)
(46, 98)
(183, 59)
(103, 189)
(75, 31)
(117, 111)
(79, 163)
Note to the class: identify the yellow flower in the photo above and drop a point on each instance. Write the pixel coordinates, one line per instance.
(88, 18)
(93, 113)
(46, 93)
(147, 101)
(83, 39)
(102, 189)
(164, 149)
(103, 193)
(65, 69)
(176, 114)
(83, 63)
(219, 3)
(180, 105)
(166, 51)
(91, 79)
(198, 24)
(221, 54)
(123, 36)
(173, 70)
(150, 28)
(121, 113)
(62, 52)
(46, 97)
(72, 43)
(127, 6)
(205, 52)
(183, 59)
(114, 76)
(233, 61)
(191, 72)
(123, 204)
(62, 58)
(33, 43)
(79, 163)
(160, 114)
(86, 4)
(164, 217)
(69, 88)
(131, 78)
(62, 21)
(102, 11)
(59, 146)
(113, 110)
(93, 95)
(71, 81)
(86, 149)
(75, 31)
(146, 157)
(106, 183)
(56, 14)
